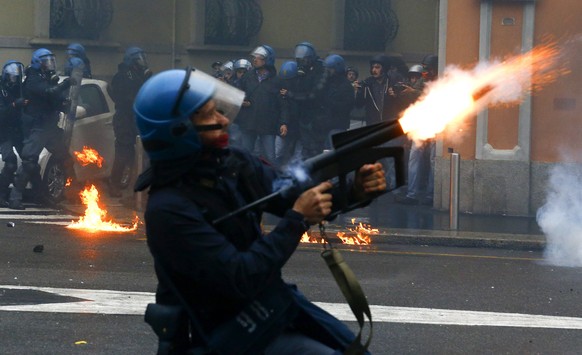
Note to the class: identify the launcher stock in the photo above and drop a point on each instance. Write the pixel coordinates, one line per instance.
(352, 149)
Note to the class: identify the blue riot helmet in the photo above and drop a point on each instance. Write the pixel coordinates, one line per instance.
(135, 56)
(76, 50)
(335, 62)
(288, 70)
(12, 73)
(305, 56)
(165, 104)
(265, 52)
(43, 59)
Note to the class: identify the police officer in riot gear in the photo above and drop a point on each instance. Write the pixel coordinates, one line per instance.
(311, 83)
(46, 99)
(212, 272)
(259, 117)
(11, 105)
(76, 50)
(130, 76)
(338, 98)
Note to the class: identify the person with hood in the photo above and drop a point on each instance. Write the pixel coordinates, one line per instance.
(39, 122)
(259, 119)
(220, 285)
(130, 76)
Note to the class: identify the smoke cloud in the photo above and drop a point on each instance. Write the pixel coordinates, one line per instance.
(561, 217)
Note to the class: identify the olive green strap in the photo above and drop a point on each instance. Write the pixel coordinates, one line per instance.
(352, 291)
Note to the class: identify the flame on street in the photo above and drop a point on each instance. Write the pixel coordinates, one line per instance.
(358, 234)
(94, 219)
(89, 156)
(459, 94)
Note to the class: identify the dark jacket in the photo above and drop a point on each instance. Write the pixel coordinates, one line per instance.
(124, 87)
(309, 93)
(338, 101)
(378, 103)
(45, 98)
(290, 108)
(220, 268)
(263, 116)
(9, 115)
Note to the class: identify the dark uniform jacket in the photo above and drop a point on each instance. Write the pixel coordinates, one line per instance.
(219, 269)
(124, 87)
(263, 116)
(10, 128)
(45, 99)
(338, 101)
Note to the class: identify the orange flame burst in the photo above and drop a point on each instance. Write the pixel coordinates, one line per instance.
(94, 219)
(358, 235)
(460, 94)
(362, 234)
(89, 156)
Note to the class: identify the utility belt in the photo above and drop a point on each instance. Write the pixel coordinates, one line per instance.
(249, 332)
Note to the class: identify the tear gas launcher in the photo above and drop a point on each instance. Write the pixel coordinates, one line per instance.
(352, 149)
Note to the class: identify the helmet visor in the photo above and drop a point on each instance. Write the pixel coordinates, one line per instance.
(228, 99)
(49, 62)
(302, 51)
(13, 71)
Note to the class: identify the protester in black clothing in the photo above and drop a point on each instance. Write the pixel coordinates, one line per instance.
(130, 76)
(11, 105)
(46, 99)
(378, 93)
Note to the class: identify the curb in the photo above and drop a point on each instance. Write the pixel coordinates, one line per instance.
(449, 238)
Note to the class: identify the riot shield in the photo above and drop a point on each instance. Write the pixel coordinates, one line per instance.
(73, 98)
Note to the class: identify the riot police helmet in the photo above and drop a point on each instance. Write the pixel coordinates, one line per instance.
(43, 59)
(288, 70)
(305, 54)
(76, 50)
(335, 62)
(430, 61)
(165, 104)
(12, 73)
(265, 52)
(135, 56)
(242, 64)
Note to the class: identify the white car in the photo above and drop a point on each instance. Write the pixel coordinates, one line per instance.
(94, 129)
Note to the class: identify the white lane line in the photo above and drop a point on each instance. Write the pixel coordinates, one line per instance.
(9, 217)
(134, 303)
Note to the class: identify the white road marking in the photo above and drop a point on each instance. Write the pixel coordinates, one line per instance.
(55, 217)
(134, 303)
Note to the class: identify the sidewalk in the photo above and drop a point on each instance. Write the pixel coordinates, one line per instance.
(423, 225)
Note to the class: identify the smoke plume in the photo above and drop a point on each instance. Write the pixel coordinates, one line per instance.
(561, 217)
